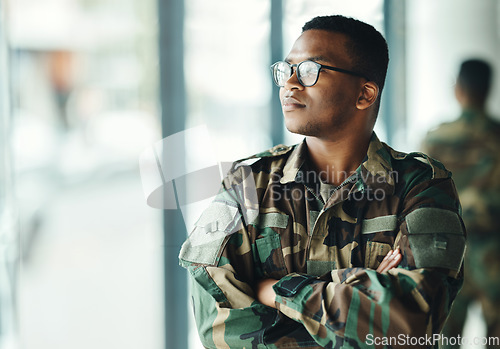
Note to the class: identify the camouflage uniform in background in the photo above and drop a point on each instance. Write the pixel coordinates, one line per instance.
(325, 253)
(470, 148)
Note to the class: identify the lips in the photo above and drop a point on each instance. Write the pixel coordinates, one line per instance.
(290, 103)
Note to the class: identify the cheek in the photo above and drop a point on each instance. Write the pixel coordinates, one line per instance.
(325, 99)
(343, 98)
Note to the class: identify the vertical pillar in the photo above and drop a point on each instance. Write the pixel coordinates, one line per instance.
(9, 231)
(394, 96)
(173, 114)
(276, 43)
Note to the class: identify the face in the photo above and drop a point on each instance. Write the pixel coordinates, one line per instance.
(324, 109)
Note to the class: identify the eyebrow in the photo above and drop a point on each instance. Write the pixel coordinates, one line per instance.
(319, 58)
(314, 59)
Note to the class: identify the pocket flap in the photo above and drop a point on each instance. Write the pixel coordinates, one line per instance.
(207, 238)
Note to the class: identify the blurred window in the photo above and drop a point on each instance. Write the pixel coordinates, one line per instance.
(227, 73)
(85, 105)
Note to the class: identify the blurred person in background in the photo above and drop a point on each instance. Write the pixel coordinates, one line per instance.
(61, 77)
(336, 247)
(470, 148)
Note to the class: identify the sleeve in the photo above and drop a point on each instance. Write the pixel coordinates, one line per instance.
(360, 306)
(226, 312)
(218, 256)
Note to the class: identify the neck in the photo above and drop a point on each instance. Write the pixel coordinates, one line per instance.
(474, 107)
(474, 104)
(337, 159)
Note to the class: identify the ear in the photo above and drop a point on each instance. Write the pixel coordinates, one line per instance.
(459, 94)
(367, 96)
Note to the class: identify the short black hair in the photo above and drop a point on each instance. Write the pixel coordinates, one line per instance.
(474, 78)
(368, 48)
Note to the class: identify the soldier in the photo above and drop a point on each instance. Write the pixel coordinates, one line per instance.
(469, 147)
(299, 248)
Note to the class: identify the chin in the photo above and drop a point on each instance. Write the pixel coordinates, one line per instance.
(304, 130)
(299, 124)
(292, 126)
(297, 132)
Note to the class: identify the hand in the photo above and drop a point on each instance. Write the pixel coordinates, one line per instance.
(391, 260)
(265, 292)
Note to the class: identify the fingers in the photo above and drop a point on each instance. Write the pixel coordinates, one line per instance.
(394, 262)
(391, 260)
(385, 261)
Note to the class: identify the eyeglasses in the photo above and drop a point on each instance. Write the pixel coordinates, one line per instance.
(307, 72)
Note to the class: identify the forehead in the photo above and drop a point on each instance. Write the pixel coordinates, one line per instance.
(320, 43)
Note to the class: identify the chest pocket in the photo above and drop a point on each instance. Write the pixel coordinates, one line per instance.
(375, 251)
(268, 250)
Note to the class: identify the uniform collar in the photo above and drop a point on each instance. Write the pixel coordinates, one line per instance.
(375, 171)
(294, 163)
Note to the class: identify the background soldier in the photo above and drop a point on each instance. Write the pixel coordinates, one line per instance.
(470, 148)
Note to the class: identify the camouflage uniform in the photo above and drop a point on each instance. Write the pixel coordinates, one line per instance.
(325, 254)
(470, 148)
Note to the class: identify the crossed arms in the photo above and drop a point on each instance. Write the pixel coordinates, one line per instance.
(266, 295)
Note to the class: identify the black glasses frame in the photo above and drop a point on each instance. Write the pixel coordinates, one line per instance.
(320, 66)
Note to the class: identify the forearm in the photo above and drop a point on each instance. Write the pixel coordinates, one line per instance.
(266, 295)
(234, 321)
(358, 302)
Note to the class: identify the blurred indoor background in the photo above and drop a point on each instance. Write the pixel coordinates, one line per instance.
(87, 85)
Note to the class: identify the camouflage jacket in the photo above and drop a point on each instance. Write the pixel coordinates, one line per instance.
(269, 221)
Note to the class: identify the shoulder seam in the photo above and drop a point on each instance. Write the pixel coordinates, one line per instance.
(438, 169)
(277, 150)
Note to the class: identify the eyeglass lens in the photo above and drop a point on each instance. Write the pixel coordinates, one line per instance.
(307, 73)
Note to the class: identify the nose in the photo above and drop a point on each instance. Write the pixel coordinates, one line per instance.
(293, 82)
